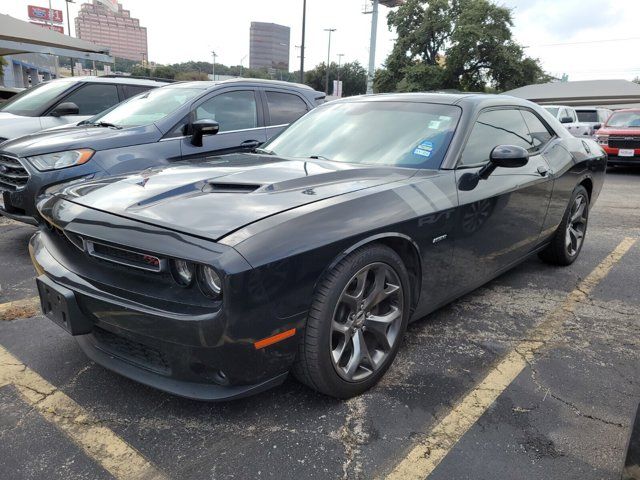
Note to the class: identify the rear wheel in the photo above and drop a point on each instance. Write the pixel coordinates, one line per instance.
(355, 324)
(569, 237)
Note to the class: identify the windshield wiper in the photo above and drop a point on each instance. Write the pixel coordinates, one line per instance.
(107, 124)
(264, 151)
(319, 157)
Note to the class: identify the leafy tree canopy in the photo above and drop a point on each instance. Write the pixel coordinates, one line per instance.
(455, 44)
(353, 77)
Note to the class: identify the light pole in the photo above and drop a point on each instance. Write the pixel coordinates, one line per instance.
(241, 65)
(330, 30)
(67, 2)
(340, 55)
(304, 26)
(372, 47)
(213, 70)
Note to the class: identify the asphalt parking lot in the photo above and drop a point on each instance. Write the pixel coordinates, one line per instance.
(534, 376)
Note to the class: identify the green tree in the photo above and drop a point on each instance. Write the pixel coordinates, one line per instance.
(164, 71)
(353, 77)
(140, 71)
(193, 75)
(455, 44)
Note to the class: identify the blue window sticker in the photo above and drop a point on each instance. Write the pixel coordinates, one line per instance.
(424, 149)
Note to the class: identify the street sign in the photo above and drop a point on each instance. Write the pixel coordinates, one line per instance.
(42, 14)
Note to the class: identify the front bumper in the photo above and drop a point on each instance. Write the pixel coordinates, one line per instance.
(616, 159)
(191, 356)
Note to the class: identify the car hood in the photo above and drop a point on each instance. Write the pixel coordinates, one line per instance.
(84, 136)
(12, 126)
(213, 197)
(623, 132)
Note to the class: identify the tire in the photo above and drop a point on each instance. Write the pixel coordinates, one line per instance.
(338, 323)
(567, 243)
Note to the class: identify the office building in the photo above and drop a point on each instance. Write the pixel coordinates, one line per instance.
(113, 28)
(269, 46)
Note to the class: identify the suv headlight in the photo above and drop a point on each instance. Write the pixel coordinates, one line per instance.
(57, 160)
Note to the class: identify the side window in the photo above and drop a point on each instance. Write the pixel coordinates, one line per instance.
(540, 134)
(285, 108)
(132, 90)
(232, 110)
(493, 128)
(93, 98)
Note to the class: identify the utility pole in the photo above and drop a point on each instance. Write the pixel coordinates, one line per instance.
(304, 26)
(242, 65)
(340, 55)
(67, 2)
(372, 47)
(213, 70)
(326, 89)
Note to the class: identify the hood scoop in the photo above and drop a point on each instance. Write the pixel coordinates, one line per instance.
(220, 187)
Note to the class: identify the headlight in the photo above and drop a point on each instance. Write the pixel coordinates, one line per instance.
(54, 161)
(602, 139)
(182, 272)
(209, 282)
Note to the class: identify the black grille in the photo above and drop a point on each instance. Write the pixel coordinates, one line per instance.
(125, 257)
(134, 352)
(13, 176)
(624, 142)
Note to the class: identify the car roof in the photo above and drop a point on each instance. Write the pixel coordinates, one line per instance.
(124, 80)
(444, 98)
(208, 84)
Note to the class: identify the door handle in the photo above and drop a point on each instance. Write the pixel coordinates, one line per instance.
(543, 171)
(250, 144)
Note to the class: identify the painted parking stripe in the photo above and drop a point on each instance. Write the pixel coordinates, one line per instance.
(26, 308)
(422, 460)
(98, 442)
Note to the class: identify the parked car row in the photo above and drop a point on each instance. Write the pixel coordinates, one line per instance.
(154, 128)
(190, 239)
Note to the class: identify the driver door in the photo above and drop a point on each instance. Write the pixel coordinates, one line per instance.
(240, 117)
(500, 220)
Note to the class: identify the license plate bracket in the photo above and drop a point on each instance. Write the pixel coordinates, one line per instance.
(59, 304)
(626, 152)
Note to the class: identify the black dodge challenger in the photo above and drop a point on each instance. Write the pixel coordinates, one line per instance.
(215, 279)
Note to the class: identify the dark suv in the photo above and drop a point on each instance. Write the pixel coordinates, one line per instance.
(161, 126)
(66, 101)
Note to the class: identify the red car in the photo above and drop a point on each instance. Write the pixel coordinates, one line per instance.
(620, 137)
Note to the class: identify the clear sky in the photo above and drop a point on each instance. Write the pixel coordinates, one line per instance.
(582, 38)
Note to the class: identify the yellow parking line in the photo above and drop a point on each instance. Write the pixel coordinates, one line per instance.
(428, 454)
(29, 307)
(98, 442)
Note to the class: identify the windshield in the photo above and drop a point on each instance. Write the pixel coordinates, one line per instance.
(31, 102)
(590, 116)
(624, 120)
(552, 110)
(372, 132)
(148, 107)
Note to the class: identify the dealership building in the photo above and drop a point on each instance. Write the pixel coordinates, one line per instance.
(105, 22)
(269, 46)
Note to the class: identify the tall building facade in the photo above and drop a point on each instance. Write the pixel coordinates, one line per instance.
(114, 29)
(269, 46)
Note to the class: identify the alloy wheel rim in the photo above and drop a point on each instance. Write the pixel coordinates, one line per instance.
(576, 226)
(366, 322)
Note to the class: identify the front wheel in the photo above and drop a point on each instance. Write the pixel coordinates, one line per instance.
(569, 237)
(355, 324)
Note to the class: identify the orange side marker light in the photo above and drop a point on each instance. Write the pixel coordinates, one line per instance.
(265, 342)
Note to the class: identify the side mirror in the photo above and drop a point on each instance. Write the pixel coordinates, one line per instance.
(203, 127)
(597, 126)
(509, 156)
(566, 120)
(65, 108)
(505, 156)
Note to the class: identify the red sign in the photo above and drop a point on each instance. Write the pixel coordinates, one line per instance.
(56, 28)
(43, 14)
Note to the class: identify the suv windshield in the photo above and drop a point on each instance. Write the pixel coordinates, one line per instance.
(624, 120)
(390, 133)
(30, 102)
(147, 107)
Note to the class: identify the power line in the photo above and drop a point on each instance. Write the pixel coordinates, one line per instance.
(588, 42)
